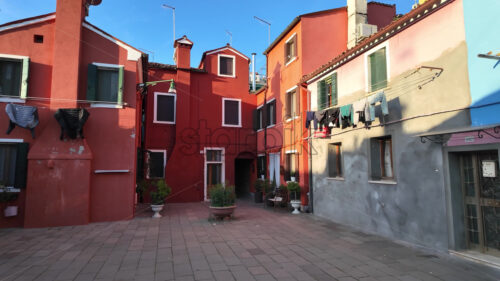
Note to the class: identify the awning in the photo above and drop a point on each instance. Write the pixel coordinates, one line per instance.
(442, 136)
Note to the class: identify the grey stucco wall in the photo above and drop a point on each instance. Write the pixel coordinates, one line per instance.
(413, 207)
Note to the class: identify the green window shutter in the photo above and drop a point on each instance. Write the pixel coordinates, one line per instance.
(321, 95)
(334, 90)
(120, 85)
(24, 78)
(21, 165)
(378, 70)
(91, 82)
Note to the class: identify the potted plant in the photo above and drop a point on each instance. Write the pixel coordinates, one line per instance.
(8, 195)
(158, 196)
(293, 190)
(222, 201)
(294, 176)
(140, 190)
(259, 187)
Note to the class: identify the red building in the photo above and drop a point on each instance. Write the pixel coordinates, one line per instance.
(309, 41)
(200, 134)
(60, 61)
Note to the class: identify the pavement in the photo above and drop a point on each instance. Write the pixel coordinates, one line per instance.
(257, 244)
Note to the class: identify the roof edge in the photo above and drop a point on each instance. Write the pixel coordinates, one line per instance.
(27, 21)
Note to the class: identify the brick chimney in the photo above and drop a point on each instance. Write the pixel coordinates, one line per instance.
(356, 13)
(182, 53)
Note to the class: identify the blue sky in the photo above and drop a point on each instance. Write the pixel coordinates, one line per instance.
(147, 26)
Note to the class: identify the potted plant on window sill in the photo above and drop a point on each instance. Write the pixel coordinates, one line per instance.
(158, 197)
(222, 201)
(7, 195)
(294, 191)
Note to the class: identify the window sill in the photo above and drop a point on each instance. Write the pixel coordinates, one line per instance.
(164, 122)
(10, 189)
(336, 178)
(260, 130)
(388, 182)
(110, 171)
(106, 105)
(227, 76)
(231, 126)
(290, 119)
(14, 100)
(290, 61)
(270, 126)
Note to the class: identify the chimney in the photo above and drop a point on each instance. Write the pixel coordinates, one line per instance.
(182, 53)
(253, 72)
(356, 14)
(66, 57)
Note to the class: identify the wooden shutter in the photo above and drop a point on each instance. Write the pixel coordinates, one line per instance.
(273, 105)
(321, 95)
(91, 82)
(265, 120)
(288, 99)
(21, 165)
(255, 118)
(288, 164)
(334, 90)
(378, 70)
(120, 85)
(24, 77)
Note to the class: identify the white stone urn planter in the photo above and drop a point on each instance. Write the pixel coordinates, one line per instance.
(157, 209)
(295, 205)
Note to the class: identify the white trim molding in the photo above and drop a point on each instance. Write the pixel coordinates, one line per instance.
(229, 49)
(12, 100)
(224, 112)
(25, 23)
(11, 140)
(155, 115)
(291, 89)
(367, 65)
(108, 65)
(218, 65)
(105, 105)
(291, 151)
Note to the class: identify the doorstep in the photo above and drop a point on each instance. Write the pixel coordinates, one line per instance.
(478, 257)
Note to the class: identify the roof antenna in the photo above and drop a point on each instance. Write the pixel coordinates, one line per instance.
(230, 37)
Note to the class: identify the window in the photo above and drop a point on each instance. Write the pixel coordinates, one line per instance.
(258, 119)
(270, 113)
(226, 66)
(261, 166)
(13, 76)
(291, 48)
(214, 168)
(377, 69)
(165, 104)
(105, 83)
(381, 158)
(13, 164)
(327, 92)
(290, 165)
(291, 104)
(334, 160)
(231, 110)
(157, 160)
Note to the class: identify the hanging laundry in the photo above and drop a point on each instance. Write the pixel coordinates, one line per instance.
(72, 121)
(22, 116)
(321, 117)
(346, 115)
(358, 109)
(333, 117)
(310, 116)
(370, 108)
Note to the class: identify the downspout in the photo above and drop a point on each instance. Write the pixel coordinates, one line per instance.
(144, 91)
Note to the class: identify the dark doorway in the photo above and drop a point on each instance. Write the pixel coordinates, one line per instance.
(242, 177)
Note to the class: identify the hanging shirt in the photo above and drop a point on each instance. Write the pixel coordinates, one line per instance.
(346, 115)
(358, 109)
(310, 116)
(72, 121)
(321, 117)
(370, 108)
(22, 116)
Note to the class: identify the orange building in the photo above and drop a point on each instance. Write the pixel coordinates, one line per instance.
(308, 41)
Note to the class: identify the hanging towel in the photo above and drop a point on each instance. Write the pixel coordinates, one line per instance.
(72, 121)
(22, 116)
(310, 116)
(358, 109)
(370, 108)
(346, 115)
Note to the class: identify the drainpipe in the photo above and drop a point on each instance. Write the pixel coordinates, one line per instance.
(253, 72)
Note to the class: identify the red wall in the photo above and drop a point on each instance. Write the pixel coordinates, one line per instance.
(198, 124)
(381, 14)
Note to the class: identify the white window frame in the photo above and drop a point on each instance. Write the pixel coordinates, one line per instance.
(270, 101)
(294, 88)
(14, 99)
(218, 65)
(223, 169)
(296, 47)
(367, 65)
(99, 104)
(261, 117)
(224, 112)
(155, 116)
(164, 162)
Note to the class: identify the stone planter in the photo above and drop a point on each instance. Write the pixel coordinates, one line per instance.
(157, 209)
(222, 212)
(295, 205)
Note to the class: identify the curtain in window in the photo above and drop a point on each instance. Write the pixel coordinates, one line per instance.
(387, 159)
(10, 77)
(378, 70)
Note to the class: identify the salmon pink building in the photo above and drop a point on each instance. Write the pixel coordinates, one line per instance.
(67, 98)
(198, 129)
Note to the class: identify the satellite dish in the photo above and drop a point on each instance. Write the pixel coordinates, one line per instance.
(94, 2)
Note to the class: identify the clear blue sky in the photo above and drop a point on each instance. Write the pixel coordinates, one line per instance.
(147, 26)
